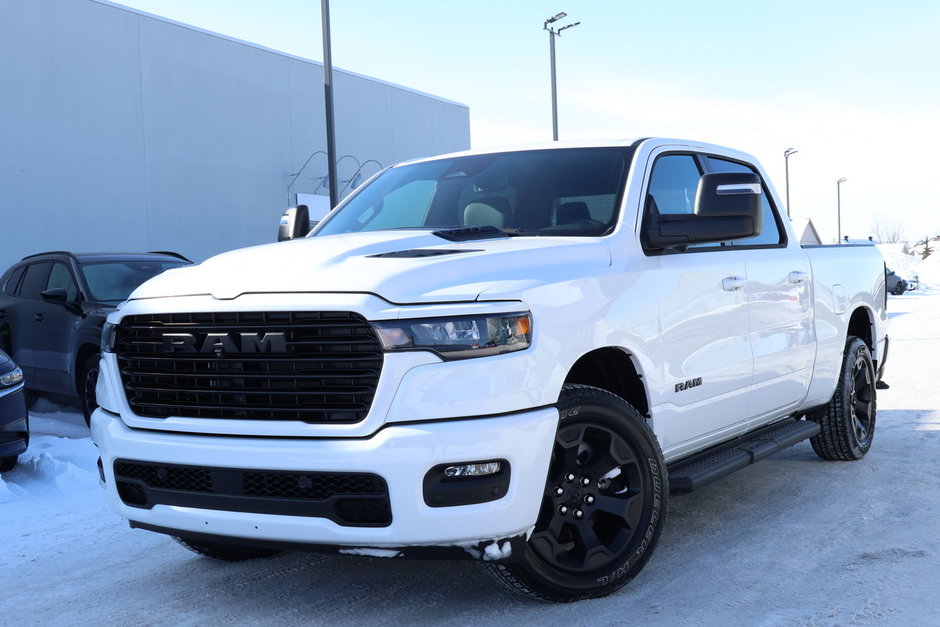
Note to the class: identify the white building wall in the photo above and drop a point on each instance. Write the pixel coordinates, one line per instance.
(124, 131)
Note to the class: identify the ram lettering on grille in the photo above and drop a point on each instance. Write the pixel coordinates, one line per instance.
(229, 343)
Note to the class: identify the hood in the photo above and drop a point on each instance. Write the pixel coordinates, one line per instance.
(403, 267)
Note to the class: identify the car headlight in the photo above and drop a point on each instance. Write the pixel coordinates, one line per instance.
(11, 378)
(107, 337)
(458, 337)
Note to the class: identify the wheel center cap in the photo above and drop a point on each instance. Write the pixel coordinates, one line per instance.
(575, 495)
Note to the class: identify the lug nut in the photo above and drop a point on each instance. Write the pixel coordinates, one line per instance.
(585, 481)
(569, 476)
(563, 510)
(559, 491)
(589, 499)
(578, 513)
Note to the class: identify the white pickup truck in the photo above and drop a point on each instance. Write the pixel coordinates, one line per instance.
(511, 356)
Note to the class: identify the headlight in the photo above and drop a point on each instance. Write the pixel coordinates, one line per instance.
(459, 337)
(11, 378)
(107, 337)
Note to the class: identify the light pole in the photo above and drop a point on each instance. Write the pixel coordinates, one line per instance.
(839, 207)
(328, 98)
(552, 33)
(786, 167)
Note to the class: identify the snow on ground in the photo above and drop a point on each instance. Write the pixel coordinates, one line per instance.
(793, 540)
(909, 266)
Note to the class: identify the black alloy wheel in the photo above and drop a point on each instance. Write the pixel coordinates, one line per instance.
(604, 502)
(862, 399)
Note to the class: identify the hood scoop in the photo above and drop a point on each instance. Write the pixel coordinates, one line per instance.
(416, 253)
(470, 233)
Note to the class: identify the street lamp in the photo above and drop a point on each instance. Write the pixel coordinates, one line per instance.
(552, 33)
(786, 166)
(839, 206)
(328, 102)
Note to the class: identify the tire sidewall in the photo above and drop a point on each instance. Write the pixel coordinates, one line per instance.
(857, 349)
(580, 404)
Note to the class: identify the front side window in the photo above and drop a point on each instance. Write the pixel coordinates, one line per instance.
(113, 281)
(673, 184)
(771, 234)
(61, 277)
(567, 192)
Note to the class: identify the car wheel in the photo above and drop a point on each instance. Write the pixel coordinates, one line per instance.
(224, 551)
(848, 424)
(87, 382)
(7, 463)
(603, 507)
(898, 290)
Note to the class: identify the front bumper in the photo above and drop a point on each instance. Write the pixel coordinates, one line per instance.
(14, 422)
(400, 454)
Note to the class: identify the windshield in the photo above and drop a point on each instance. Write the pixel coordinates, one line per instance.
(541, 192)
(113, 281)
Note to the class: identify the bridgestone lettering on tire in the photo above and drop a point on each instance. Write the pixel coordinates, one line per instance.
(603, 507)
(848, 424)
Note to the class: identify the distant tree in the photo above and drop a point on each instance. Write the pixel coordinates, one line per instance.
(927, 248)
(887, 232)
(905, 250)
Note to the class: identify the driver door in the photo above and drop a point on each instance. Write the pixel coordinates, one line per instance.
(54, 327)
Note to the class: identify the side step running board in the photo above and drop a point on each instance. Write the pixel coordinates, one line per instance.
(694, 472)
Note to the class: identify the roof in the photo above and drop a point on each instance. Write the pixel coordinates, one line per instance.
(596, 143)
(111, 256)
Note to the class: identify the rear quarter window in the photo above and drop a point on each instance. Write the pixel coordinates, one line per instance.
(12, 280)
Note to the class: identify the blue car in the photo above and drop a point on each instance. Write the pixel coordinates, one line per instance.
(14, 419)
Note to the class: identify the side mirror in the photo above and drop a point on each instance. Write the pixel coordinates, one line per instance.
(55, 295)
(294, 223)
(727, 206)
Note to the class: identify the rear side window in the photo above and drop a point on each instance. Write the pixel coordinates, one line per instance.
(770, 236)
(34, 281)
(10, 286)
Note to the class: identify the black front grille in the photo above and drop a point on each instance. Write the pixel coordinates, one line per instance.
(349, 499)
(317, 367)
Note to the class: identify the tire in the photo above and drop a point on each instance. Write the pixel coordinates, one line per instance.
(898, 290)
(224, 551)
(848, 424)
(7, 463)
(87, 381)
(606, 466)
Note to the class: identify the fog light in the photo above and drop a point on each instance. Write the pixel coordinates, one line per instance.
(472, 470)
(466, 483)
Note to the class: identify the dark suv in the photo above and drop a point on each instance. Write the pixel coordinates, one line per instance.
(52, 307)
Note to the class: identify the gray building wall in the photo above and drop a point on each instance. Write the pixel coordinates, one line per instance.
(124, 131)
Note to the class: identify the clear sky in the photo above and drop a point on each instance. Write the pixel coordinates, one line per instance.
(853, 85)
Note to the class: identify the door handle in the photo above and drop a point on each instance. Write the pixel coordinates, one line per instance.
(37, 317)
(733, 283)
(798, 276)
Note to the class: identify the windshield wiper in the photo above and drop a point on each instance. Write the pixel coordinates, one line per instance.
(471, 233)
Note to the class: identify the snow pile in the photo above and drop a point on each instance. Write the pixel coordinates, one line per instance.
(908, 266)
(40, 472)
